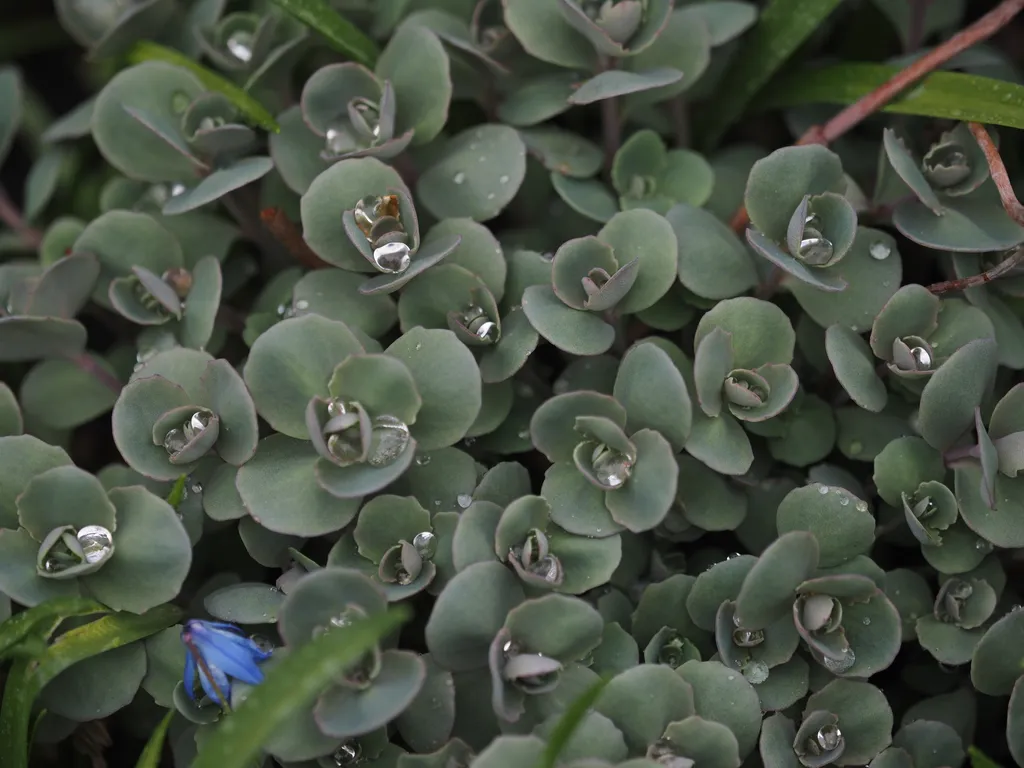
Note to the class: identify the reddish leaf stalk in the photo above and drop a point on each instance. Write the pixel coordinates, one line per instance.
(286, 233)
(1013, 208)
(11, 216)
(86, 364)
(870, 103)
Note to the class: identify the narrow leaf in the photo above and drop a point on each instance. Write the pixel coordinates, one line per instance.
(144, 50)
(570, 721)
(150, 757)
(43, 619)
(341, 33)
(289, 687)
(783, 27)
(20, 690)
(951, 95)
(177, 494)
(980, 760)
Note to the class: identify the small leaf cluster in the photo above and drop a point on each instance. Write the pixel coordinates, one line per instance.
(439, 305)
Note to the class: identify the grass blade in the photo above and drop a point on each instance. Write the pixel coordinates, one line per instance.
(570, 721)
(783, 27)
(290, 686)
(144, 50)
(980, 760)
(341, 33)
(43, 620)
(951, 95)
(150, 757)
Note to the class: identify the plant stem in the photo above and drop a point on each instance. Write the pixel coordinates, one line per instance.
(854, 114)
(288, 234)
(1013, 208)
(959, 454)
(680, 117)
(85, 363)
(11, 216)
(611, 126)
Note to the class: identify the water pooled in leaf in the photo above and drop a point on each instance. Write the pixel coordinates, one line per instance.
(879, 251)
(922, 357)
(756, 672)
(425, 543)
(388, 441)
(815, 249)
(829, 737)
(174, 441)
(239, 44)
(337, 141)
(838, 666)
(611, 468)
(96, 542)
(347, 754)
(392, 257)
(747, 638)
(464, 500)
(476, 320)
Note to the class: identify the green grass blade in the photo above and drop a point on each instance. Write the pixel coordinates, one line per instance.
(101, 635)
(43, 619)
(341, 33)
(951, 95)
(150, 757)
(177, 494)
(291, 686)
(20, 690)
(980, 760)
(783, 27)
(571, 719)
(145, 50)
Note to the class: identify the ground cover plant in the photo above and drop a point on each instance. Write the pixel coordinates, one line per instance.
(511, 384)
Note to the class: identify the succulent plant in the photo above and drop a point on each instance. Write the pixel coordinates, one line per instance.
(519, 383)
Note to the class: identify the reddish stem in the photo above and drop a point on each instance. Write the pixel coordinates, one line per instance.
(288, 234)
(1013, 208)
(11, 216)
(870, 103)
(85, 363)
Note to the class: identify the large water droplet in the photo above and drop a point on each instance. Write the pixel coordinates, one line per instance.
(392, 257)
(96, 542)
(611, 468)
(922, 357)
(388, 442)
(815, 249)
(747, 638)
(425, 543)
(174, 441)
(879, 251)
(829, 737)
(464, 500)
(239, 44)
(756, 672)
(347, 754)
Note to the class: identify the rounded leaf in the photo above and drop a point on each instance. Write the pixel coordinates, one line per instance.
(778, 183)
(840, 522)
(723, 695)
(646, 236)
(864, 716)
(955, 390)
(769, 588)
(713, 263)
(642, 701)
(761, 332)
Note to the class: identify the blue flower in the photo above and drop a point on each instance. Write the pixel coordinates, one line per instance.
(223, 652)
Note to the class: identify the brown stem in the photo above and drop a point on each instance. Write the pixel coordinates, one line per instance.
(85, 363)
(288, 234)
(11, 216)
(870, 103)
(1013, 208)
(611, 126)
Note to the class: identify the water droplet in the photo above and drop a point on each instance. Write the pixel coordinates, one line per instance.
(747, 638)
(459, 177)
(523, 434)
(262, 643)
(302, 304)
(196, 487)
(464, 500)
(866, 621)
(174, 441)
(815, 249)
(96, 542)
(611, 468)
(392, 257)
(423, 459)
(239, 44)
(425, 543)
(829, 737)
(337, 141)
(862, 506)
(922, 357)
(388, 441)
(180, 102)
(756, 672)
(823, 489)
(879, 251)
(347, 754)
(177, 189)
(838, 666)
(477, 322)
(983, 546)
(503, 180)
(844, 500)
(856, 447)
(490, 195)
